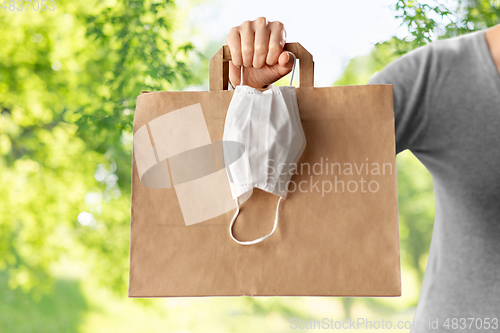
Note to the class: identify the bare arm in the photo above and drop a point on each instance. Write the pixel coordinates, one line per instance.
(493, 40)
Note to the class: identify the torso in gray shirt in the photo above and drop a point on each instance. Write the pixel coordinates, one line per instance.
(447, 111)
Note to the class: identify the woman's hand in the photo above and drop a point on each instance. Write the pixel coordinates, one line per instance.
(258, 46)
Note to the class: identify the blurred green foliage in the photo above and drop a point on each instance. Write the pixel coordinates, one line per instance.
(58, 311)
(68, 84)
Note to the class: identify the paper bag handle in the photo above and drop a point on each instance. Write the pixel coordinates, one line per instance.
(219, 66)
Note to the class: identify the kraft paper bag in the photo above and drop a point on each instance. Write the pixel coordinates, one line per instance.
(338, 229)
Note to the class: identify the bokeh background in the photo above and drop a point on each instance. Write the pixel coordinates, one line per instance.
(69, 79)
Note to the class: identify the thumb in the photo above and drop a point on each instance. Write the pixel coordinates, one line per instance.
(285, 64)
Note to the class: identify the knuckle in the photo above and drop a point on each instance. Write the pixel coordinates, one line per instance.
(246, 24)
(236, 57)
(275, 48)
(261, 21)
(232, 35)
(277, 25)
(261, 49)
(246, 50)
(235, 52)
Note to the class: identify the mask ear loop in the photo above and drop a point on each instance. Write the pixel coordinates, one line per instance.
(258, 240)
(241, 75)
(293, 69)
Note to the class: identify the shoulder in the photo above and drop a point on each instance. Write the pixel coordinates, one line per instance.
(436, 57)
(406, 66)
(456, 47)
(448, 54)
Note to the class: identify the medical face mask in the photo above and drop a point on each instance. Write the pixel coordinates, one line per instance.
(267, 125)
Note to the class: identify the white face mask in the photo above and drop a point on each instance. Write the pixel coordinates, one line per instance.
(267, 124)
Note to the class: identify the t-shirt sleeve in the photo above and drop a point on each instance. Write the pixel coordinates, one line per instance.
(412, 78)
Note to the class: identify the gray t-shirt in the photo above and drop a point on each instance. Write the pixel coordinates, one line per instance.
(447, 112)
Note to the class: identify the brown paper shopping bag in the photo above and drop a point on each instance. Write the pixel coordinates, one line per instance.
(338, 229)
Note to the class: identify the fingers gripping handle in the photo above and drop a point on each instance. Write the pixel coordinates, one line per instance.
(291, 79)
(219, 66)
